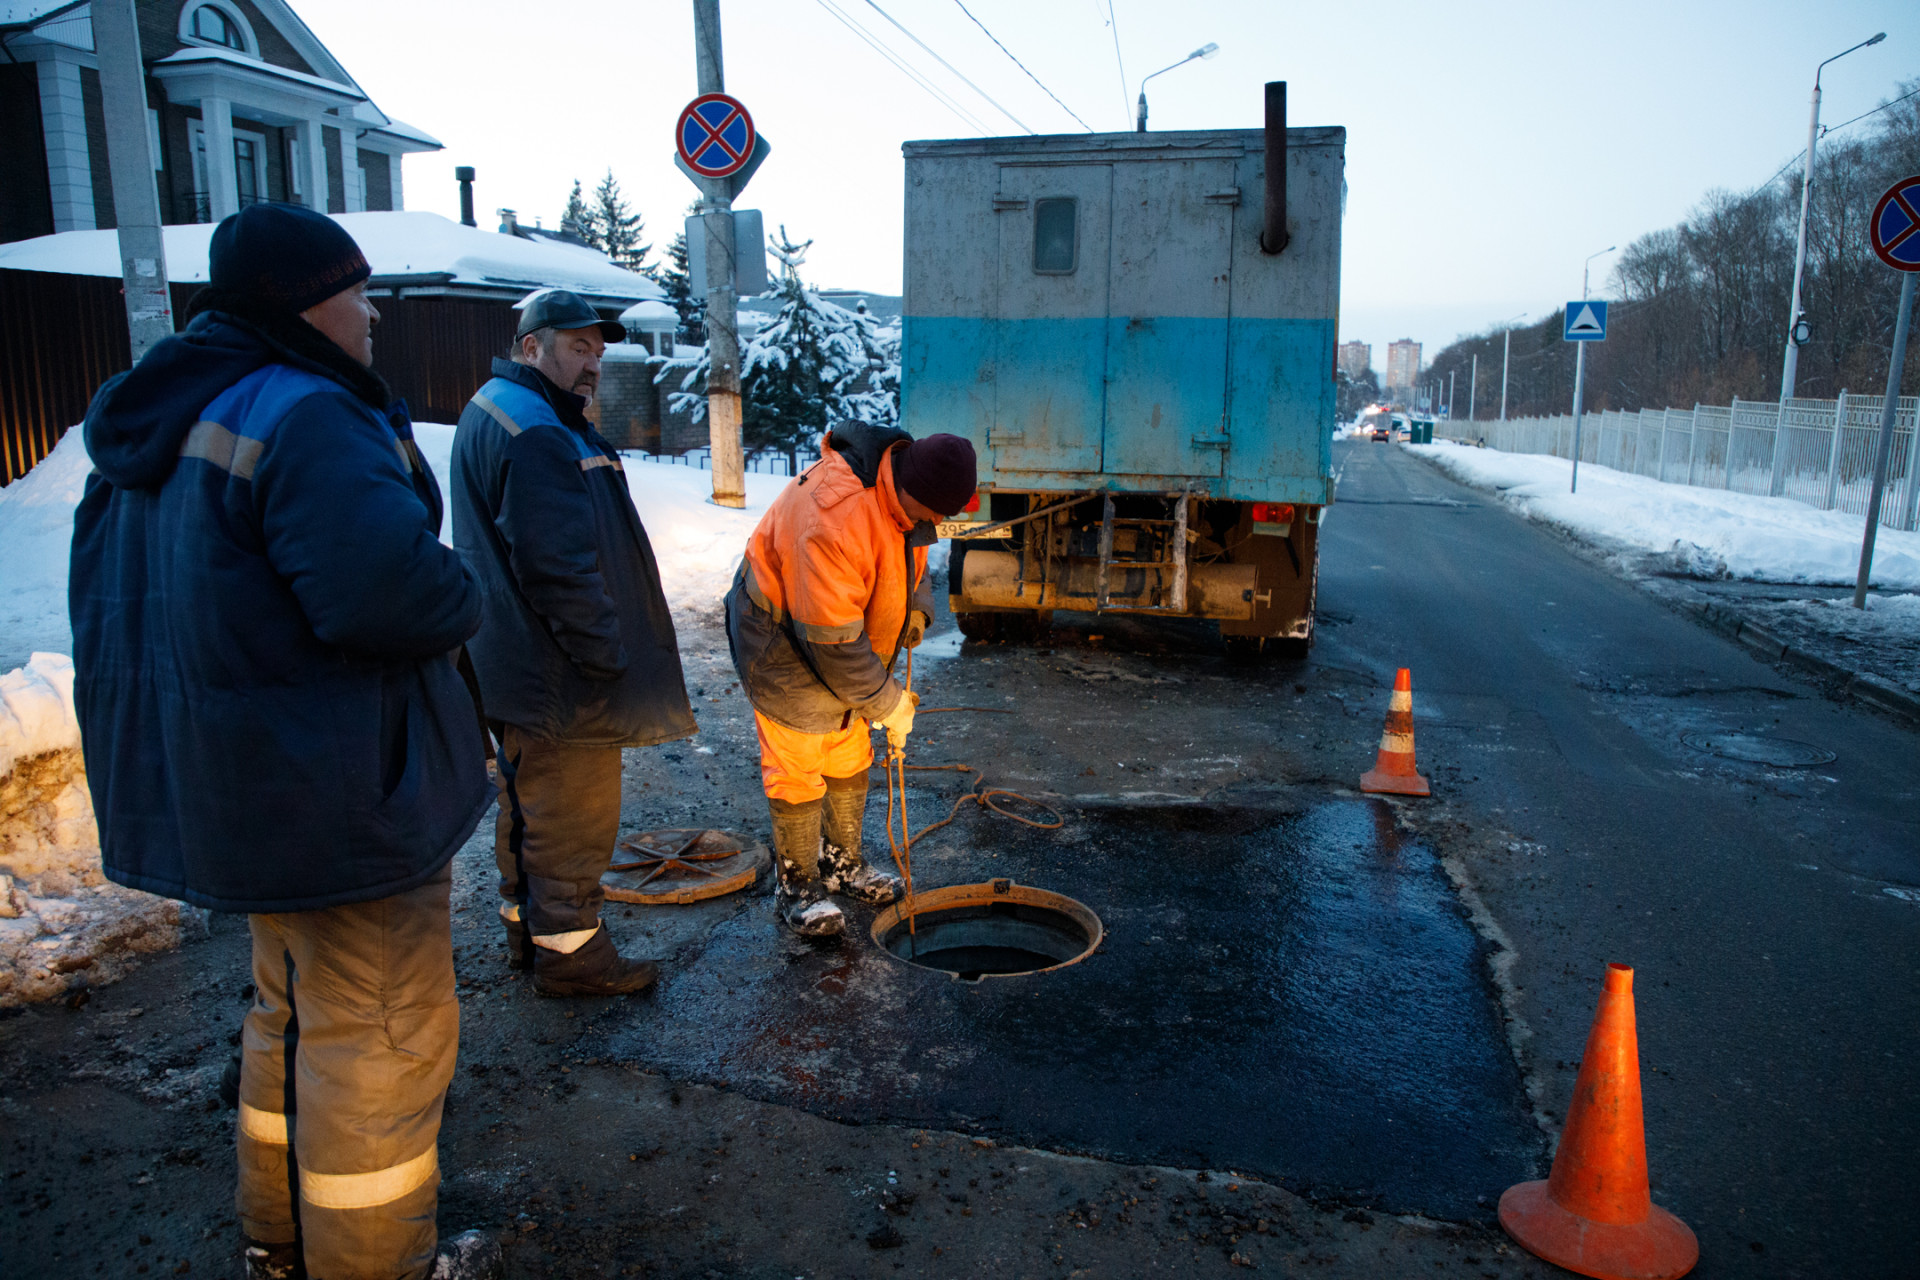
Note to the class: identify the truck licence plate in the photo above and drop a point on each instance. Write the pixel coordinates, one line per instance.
(960, 529)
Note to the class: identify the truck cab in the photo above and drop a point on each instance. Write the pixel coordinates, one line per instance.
(1148, 384)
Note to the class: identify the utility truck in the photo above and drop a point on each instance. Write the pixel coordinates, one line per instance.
(1136, 331)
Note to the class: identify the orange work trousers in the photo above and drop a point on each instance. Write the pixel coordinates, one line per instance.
(795, 766)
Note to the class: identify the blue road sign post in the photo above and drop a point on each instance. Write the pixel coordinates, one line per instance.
(1894, 231)
(1581, 322)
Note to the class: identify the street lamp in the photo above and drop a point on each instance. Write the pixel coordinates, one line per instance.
(1207, 50)
(1506, 351)
(1797, 330)
(1580, 371)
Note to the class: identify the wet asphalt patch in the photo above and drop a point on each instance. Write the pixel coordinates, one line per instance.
(1295, 995)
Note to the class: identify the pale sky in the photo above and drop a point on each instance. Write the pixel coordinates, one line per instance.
(1490, 146)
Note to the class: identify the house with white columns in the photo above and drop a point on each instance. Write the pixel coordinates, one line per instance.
(244, 104)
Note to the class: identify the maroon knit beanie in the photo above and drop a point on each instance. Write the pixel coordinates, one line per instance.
(937, 472)
(282, 258)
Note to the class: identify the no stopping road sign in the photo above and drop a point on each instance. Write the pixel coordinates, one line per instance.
(1895, 225)
(714, 135)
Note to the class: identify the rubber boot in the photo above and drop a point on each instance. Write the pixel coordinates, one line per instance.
(843, 869)
(800, 896)
(519, 943)
(471, 1255)
(596, 968)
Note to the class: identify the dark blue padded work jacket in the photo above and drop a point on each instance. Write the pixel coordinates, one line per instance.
(265, 624)
(576, 643)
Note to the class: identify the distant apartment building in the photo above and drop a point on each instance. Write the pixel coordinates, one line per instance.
(1403, 364)
(1356, 358)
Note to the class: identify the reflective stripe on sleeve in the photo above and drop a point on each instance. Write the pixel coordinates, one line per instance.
(759, 597)
(269, 1127)
(211, 442)
(510, 911)
(845, 633)
(368, 1190)
(600, 460)
(495, 412)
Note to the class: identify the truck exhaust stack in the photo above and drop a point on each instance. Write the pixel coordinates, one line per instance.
(1273, 234)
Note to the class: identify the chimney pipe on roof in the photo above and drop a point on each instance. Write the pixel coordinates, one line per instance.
(464, 175)
(509, 222)
(1273, 231)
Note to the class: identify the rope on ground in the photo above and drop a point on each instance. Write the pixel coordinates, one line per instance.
(901, 844)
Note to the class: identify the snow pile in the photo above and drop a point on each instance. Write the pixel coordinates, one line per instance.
(396, 244)
(36, 529)
(61, 924)
(1709, 533)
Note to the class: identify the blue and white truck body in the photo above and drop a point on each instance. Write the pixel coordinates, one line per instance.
(1148, 383)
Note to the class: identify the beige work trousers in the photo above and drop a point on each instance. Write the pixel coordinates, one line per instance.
(345, 1060)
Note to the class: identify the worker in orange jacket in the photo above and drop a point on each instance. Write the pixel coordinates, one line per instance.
(832, 587)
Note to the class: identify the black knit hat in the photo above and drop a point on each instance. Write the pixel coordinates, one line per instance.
(939, 472)
(282, 258)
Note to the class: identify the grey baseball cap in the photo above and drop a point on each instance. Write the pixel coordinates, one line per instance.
(558, 309)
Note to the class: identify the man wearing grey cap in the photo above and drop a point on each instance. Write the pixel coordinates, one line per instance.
(576, 656)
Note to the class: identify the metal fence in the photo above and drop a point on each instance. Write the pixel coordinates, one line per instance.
(764, 461)
(1819, 452)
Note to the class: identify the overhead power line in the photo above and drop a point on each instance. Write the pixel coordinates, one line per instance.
(1876, 111)
(1023, 66)
(904, 67)
(1113, 25)
(948, 65)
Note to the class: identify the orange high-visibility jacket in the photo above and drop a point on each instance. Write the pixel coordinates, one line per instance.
(819, 607)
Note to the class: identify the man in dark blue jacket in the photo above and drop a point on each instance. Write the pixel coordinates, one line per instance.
(576, 655)
(265, 626)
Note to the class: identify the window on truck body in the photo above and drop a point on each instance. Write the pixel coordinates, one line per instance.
(1056, 243)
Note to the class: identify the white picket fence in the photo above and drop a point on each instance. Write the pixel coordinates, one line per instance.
(1819, 452)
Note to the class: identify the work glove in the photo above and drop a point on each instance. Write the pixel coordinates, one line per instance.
(917, 624)
(899, 722)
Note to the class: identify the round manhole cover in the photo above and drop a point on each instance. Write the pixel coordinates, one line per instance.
(1757, 748)
(995, 930)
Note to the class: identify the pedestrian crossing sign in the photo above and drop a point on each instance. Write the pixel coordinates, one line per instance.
(1586, 321)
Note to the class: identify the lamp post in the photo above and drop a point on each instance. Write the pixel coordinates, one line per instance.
(1506, 351)
(1207, 50)
(1796, 330)
(1580, 371)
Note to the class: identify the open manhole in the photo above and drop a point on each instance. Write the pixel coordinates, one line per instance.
(1757, 748)
(994, 930)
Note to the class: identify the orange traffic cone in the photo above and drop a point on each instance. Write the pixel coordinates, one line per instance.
(1393, 771)
(1592, 1214)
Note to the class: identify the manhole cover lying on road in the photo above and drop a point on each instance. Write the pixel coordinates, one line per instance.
(1782, 753)
(994, 930)
(676, 867)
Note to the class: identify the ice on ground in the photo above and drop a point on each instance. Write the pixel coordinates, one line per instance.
(1705, 533)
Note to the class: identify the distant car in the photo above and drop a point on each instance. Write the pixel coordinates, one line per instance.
(1382, 435)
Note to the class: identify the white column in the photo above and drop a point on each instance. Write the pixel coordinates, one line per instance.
(64, 125)
(223, 189)
(351, 177)
(393, 179)
(313, 155)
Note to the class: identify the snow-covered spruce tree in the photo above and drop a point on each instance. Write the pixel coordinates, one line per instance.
(616, 228)
(814, 365)
(578, 219)
(673, 276)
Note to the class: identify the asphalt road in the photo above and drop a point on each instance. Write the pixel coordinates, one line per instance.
(1772, 914)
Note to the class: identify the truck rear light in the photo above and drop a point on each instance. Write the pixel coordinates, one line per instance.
(1273, 513)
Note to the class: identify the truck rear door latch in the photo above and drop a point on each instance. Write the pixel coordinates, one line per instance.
(1210, 442)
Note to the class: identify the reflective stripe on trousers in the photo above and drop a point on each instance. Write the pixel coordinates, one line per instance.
(345, 1059)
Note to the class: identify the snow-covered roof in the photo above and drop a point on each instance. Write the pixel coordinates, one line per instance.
(649, 316)
(20, 13)
(398, 245)
(244, 62)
